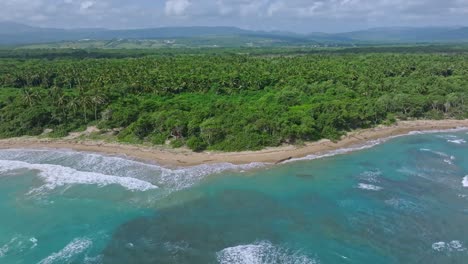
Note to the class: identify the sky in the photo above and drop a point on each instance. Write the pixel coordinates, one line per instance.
(285, 15)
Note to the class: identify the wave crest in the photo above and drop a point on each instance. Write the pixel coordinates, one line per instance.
(172, 179)
(55, 176)
(70, 251)
(261, 253)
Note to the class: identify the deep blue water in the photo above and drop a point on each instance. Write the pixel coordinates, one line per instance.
(403, 201)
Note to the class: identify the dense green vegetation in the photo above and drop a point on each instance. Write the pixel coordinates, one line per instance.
(227, 100)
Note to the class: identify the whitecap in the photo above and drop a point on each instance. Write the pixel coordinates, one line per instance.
(438, 153)
(454, 245)
(465, 181)
(369, 187)
(93, 260)
(261, 253)
(371, 176)
(453, 139)
(4, 250)
(457, 245)
(74, 248)
(33, 240)
(56, 175)
(457, 141)
(17, 244)
(438, 246)
(402, 204)
(446, 158)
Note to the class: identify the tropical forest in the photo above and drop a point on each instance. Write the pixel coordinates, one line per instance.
(231, 99)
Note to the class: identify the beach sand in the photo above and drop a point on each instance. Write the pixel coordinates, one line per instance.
(185, 157)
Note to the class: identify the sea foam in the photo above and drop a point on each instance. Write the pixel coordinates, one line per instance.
(446, 158)
(55, 176)
(18, 244)
(465, 181)
(369, 187)
(373, 143)
(371, 176)
(340, 151)
(171, 179)
(70, 251)
(261, 253)
(454, 245)
(453, 139)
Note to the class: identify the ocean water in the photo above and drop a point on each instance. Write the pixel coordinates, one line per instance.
(402, 201)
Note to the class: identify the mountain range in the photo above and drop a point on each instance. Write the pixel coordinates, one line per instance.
(19, 34)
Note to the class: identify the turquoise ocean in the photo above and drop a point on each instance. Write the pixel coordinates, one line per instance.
(404, 200)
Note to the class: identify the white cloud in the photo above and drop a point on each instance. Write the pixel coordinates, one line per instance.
(293, 15)
(275, 7)
(87, 5)
(176, 7)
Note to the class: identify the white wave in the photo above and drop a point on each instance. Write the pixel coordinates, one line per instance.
(369, 187)
(371, 144)
(182, 178)
(446, 158)
(434, 131)
(465, 181)
(454, 245)
(453, 139)
(56, 175)
(168, 178)
(17, 244)
(261, 253)
(33, 240)
(457, 141)
(74, 248)
(438, 246)
(93, 260)
(402, 204)
(4, 249)
(371, 176)
(341, 151)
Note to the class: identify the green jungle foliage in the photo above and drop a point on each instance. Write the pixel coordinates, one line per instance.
(227, 101)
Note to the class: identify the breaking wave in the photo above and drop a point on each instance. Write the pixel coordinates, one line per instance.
(69, 252)
(55, 176)
(369, 187)
(89, 168)
(261, 253)
(447, 158)
(454, 245)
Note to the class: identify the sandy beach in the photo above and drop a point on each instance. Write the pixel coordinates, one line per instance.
(185, 157)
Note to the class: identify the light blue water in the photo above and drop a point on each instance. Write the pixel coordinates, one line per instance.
(403, 201)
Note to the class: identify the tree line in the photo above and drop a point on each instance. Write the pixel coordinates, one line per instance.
(229, 101)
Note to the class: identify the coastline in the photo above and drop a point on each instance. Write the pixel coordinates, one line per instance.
(184, 157)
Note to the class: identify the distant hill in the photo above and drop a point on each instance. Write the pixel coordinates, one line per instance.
(19, 34)
(409, 35)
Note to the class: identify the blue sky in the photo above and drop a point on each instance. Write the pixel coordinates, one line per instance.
(288, 15)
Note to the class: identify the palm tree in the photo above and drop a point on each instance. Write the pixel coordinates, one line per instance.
(96, 100)
(73, 103)
(30, 97)
(85, 102)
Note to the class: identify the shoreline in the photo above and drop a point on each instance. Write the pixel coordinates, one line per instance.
(185, 158)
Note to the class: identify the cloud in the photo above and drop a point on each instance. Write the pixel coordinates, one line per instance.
(176, 7)
(86, 5)
(292, 15)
